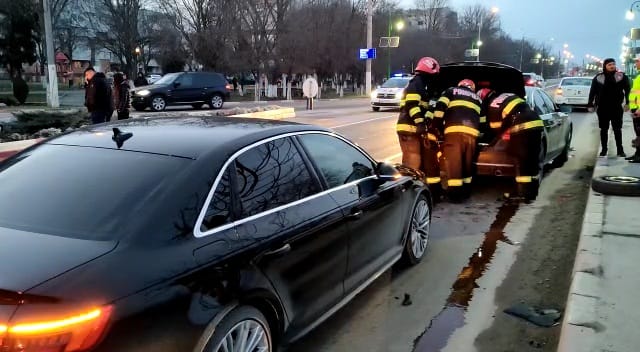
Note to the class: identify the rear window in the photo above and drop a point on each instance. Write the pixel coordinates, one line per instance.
(576, 82)
(80, 192)
(395, 83)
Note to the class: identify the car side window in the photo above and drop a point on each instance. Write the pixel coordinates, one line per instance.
(338, 161)
(185, 81)
(271, 175)
(219, 210)
(538, 104)
(548, 103)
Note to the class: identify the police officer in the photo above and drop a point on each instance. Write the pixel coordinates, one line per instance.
(411, 127)
(457, 116)
(511, 117)
(634, 105)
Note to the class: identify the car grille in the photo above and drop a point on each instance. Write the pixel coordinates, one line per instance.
(386, 96)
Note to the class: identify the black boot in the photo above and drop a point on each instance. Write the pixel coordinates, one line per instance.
(604, 141)
(617, 133)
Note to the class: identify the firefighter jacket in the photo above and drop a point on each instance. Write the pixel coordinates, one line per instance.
(634, 96)
(509, 112)
(414, 107)
(458, 110)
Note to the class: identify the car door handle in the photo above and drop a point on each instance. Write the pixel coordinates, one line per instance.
(356, 214)
(280, 251)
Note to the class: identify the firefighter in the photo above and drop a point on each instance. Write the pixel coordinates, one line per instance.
(634, 105)
(417, 151)
(457, 117)
(511, 117)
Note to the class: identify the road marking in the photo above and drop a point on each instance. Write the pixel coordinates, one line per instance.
(394, 156)
(359, 122)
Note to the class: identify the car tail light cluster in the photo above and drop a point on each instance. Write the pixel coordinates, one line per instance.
(506, 136)
(76, 332)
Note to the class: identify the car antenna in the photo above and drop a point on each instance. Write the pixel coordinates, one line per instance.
(120, 137)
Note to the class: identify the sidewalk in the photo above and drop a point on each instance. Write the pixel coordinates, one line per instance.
(602, 310)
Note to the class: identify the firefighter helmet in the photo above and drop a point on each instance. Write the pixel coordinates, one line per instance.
(484, 92)
(428, 65)
(467, 83)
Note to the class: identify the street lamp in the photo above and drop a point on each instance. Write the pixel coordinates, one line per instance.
(137, 51)
(630, 15)
(399, 25)
(494, 10)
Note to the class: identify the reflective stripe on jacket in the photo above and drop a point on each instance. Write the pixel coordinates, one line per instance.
(502, 107)
(634, 95)
(413, 106)
(458, 110)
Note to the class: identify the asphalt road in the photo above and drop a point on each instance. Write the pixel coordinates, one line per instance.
(462, 234)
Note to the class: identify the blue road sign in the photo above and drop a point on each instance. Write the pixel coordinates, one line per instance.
(367, 54)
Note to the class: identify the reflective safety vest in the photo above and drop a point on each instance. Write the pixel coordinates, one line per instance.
(458, 110)
(508, 111)
(414, 107)
(634, 96)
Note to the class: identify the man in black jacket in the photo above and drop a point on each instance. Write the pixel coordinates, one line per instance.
(608, 90)
(98, 98)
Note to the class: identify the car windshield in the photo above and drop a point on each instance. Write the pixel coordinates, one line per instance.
(168, 79)
(80, 192)
(576, 82)
(395, 83)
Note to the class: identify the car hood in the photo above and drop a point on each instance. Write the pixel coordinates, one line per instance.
(149, 87)
(28, 258)
(499, 77)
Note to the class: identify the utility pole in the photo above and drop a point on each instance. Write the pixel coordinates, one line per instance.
(369, 45)
(521, 53)
(52, 76)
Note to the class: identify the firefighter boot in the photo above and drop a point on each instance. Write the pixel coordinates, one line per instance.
(604, 140)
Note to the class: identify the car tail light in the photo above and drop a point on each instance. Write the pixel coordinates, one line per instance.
(229, 86)
(74, 332)
(506, 136)
(559, 91)
(531, 82)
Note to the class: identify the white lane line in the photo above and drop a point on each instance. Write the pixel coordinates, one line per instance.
(394, 156)
(364, 121)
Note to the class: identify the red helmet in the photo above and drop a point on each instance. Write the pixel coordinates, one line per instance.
(428, 65)
(467, 83)
(484, 92)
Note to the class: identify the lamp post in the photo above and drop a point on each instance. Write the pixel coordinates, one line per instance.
(137, 51)
(398, 26)
(494, 10)
(630, 15)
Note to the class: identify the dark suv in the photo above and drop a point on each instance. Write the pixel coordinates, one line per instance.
(195, 88)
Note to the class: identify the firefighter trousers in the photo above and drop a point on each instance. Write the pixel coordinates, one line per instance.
(458, 153)
(525, 146)
(431, 162)
(411, 145)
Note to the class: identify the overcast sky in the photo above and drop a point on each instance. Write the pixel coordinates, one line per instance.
(593, 27)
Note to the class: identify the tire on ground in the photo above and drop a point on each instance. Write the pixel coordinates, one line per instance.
(617, 185)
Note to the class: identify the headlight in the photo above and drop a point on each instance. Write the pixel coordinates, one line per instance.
(399, 95)
(374, 94)
(143, 93)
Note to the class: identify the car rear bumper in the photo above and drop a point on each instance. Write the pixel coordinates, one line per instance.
(571, 100)
(495, 163)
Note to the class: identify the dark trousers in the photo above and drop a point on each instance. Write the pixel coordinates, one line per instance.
(525, 146)
(430, 163)
(410, 144)
(636, 129)
(610, 116)
(123, 115)
(458, 153)
(99, 117)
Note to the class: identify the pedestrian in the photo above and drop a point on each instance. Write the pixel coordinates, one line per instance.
(634, 105)
(140, 80)
(234, 81)
(121, 95)
(608, 91)
(98, 98)
(507, 113)
(457, 117)
(411, 126)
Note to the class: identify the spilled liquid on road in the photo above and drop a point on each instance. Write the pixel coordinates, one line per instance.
(452, 316)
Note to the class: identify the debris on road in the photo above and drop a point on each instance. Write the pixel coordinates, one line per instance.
(541, 317)
(407, 300)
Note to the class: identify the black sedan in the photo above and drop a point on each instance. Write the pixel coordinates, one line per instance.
(207, 234)
(493, 158)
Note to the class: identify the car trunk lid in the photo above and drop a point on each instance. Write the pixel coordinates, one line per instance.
(499, 77)
(575, 91)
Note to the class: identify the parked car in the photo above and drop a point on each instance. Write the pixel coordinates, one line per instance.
(187, 234)
(152, 78)
(493, 158)
(573, 91)
(389, 94)
(194, 88)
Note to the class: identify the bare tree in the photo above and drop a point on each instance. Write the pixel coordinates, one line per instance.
(432, 14)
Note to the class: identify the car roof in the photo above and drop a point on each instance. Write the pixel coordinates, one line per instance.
(187, 137)
(499, 77)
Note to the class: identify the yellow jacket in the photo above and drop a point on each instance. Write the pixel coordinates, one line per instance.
(634, 96)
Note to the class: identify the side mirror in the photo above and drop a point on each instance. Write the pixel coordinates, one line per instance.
(387, 172)
(565, 108)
